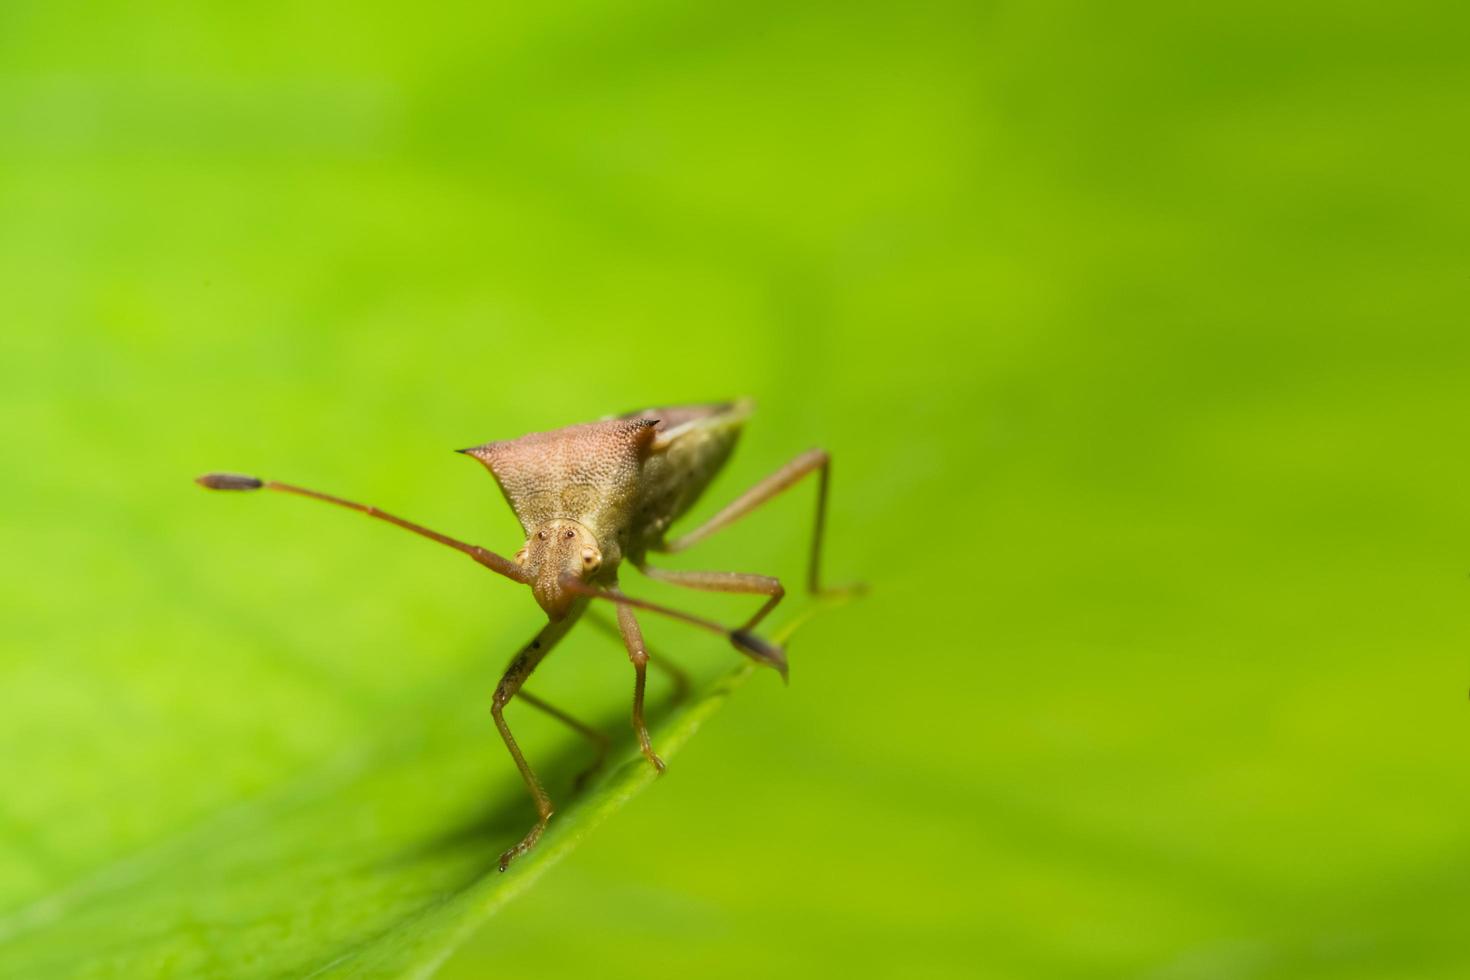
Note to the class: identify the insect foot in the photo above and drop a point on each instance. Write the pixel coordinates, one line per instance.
(655, 760)
(757, 649)
(527, 842)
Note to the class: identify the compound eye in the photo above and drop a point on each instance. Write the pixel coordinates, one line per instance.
(569, 534)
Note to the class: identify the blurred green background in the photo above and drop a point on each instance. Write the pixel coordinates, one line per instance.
(1137, 333)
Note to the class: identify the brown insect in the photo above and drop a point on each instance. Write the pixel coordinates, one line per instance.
(590, 497)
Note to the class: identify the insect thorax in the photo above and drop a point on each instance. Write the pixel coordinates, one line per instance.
(584, 473)
(624, 479)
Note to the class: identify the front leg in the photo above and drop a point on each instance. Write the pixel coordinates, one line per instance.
(683, 685)
(515, 675)
(638, 654)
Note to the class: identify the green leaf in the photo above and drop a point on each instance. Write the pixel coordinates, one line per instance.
(377, 864)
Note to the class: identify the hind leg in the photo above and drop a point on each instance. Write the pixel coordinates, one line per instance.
(813, 460)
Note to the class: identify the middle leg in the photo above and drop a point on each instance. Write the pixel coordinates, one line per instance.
(745, 641)
(726, 582)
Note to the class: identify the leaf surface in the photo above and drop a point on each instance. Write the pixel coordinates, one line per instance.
(378, 863)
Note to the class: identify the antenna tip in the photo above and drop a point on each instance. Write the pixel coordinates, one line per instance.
(757, 649)
(228, 481)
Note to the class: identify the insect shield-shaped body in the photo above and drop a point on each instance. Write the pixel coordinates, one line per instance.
(575, 491)
(588, 498)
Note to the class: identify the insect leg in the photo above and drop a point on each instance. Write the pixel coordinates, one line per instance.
(515, 675)
(496, 563)
(783, 479)
(598, 739)
(745, 641)
(680, 678)
(638, 654)
(725, 582)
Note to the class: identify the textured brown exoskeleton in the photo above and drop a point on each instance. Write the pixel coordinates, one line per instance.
(590, 497)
